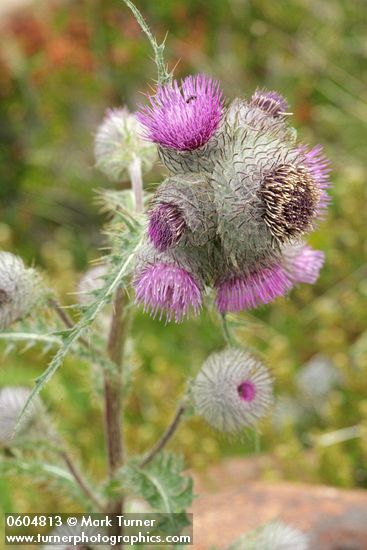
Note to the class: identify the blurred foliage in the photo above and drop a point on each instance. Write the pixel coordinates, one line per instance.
(62, 64)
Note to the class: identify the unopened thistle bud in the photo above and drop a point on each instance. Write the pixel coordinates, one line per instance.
(92, 281)
(280, 536)
(21, 289)
(12, 401)
(232, 391)
(119, 142)
(182, 207)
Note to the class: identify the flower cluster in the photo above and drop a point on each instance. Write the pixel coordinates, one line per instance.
(241, 195)
(232, 391)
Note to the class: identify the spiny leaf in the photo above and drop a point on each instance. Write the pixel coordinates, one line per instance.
(161, 483)
(120, 271)
(43, 473)
(31, 338)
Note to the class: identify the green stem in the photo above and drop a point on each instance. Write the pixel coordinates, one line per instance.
(164, 77)
(226, 332)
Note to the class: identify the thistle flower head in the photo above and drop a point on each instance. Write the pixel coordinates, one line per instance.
(280, 536)
(291, 199)
(91, 282)
(248, 291)
(303, 263)
(118, 142)
(182, 206)
(183, 117)
(166, 288)
(232, 391)
(20, 289)
(166, 225)
(12, 401)
(270, 102)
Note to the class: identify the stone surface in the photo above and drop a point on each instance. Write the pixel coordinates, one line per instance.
(335, 519)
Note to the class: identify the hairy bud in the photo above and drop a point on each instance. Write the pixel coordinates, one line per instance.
(232, 391)
(280, 536)
(12, 401)
(119, 142)
(21, 289)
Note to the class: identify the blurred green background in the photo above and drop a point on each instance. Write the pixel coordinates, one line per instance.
(62, 64)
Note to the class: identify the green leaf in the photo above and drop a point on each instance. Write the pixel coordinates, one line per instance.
(53, 475)
(31, 337)
(160, 483)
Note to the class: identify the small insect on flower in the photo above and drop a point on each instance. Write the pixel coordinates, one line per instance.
(119, 142)
(280, 536)
(232, 391)
(12, 401)
(21, 289)
(183, 117)
(168, 289)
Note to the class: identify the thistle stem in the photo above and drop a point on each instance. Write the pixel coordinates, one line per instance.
(113, 406)
(226, 332)
(165, 437)
(83, 484)
(164, 76)
(137, 183)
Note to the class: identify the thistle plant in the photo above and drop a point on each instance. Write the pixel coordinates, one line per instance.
(225, 230)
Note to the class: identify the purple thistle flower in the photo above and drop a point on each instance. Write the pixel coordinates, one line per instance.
(270, 102)
(319, 167)
(303, 263)
(249, 291)
(246, 390)
(166, 226)
(169, 289)
(185, 117)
